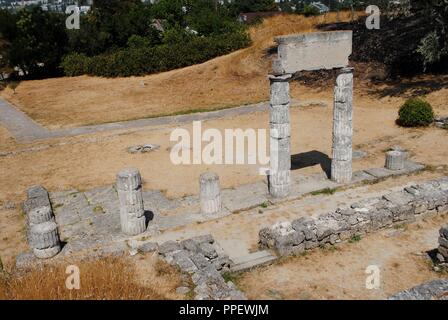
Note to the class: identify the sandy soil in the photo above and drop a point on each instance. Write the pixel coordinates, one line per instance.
(340, 273)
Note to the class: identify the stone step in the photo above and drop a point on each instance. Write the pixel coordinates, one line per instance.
(252, 260)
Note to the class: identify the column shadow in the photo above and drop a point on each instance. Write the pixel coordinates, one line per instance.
(311, 158)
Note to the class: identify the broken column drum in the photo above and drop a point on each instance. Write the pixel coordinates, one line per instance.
(132, 213)
(395, 160)
(43, 236)
(341, 164)
(280, 136)
(210, 193)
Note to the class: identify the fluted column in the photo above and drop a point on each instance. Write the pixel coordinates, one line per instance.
(210, 193)
(341, 164)
(280, 136)
(132, 213)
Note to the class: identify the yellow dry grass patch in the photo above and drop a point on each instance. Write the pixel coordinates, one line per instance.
(107, 279)
(234, 79)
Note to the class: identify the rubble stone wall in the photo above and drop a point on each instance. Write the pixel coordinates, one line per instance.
(368, 215)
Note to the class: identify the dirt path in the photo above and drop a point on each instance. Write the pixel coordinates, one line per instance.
(339, 273)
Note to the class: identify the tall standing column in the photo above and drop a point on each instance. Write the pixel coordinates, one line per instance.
(280, 136)
(341, 164)
(132, 213)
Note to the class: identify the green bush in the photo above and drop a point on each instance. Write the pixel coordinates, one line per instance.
(415, 113)
(136, 60)
(75, 64)
(309, 10)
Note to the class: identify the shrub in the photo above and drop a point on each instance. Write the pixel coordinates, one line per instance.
(309, 10)
(75, 64)
(140, 60)
(415, 113)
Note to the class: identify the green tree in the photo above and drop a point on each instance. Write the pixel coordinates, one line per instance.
(38, 42)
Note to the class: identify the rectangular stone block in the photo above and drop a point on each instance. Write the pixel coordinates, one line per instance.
(314, 51)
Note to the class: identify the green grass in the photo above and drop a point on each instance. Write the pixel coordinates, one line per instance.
(264, 205)
(98, 210)
(230, 276)
(326, 191)
(355, 238)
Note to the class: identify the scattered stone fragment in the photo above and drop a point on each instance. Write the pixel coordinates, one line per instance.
(434, 290)
(359, 154)
(145, 148)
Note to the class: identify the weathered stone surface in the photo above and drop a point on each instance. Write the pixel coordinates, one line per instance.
(208, 250)
(362, 217)
(132, 219)
(298, 52)
(38, 210)
(210, 193)
(47, 253)
(44, 235)
(169, 246)
(37, 192)
(129, 179)
(280, 89)
(395, 160)
(279, 178)
(190, 257)
(341, 163)
(434, 290)
(148, 247)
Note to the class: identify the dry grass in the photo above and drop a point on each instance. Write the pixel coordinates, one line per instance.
(234, 79)
(108, 279)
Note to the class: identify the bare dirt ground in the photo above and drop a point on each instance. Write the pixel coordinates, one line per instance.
(339, 273)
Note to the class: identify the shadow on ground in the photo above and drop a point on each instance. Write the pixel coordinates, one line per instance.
(310, 159)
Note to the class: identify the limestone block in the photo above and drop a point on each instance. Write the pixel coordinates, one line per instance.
(37, 192)
(279, 89)
(129, 179)
(313, 51)
(210, 193)
(279, 114)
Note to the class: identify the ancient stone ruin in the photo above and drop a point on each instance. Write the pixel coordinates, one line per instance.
(442, 254)
(298, 53)
(122, 218)
(294, 237)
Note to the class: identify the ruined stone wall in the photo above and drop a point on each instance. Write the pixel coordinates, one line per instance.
(369, 215)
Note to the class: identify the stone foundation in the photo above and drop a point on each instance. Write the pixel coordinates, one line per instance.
(369, 215)
(201, 258)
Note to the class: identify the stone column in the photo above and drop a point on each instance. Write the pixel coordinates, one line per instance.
(279, 180)
(395, 160)
(442, 254)
(210, 193)
(43, 236)
(132, 213)
(341, 164)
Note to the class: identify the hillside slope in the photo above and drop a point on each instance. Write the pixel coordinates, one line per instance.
(234, 79)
